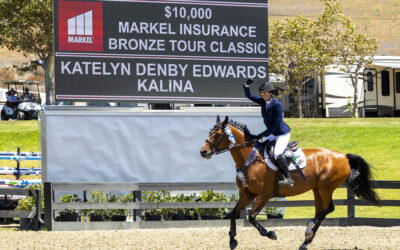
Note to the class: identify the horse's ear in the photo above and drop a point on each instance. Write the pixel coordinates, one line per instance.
(218, 119)
(225, 121)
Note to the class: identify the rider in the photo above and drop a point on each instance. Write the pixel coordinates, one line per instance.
(277, 129)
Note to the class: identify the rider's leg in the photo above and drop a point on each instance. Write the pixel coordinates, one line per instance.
(268, 142)
(280, 146)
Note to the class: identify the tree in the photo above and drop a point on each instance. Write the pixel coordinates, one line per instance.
(352, 49)
(27, 26)
(297, 52)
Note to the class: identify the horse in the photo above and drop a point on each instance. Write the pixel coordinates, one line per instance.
(325, 171)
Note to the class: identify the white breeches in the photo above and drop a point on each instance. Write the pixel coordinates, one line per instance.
(281, 143)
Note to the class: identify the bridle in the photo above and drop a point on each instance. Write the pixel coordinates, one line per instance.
(214, 146)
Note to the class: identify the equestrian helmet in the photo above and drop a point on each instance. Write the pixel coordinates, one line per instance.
(266, 87)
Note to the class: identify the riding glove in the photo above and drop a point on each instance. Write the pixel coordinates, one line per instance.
(249, 81)
(262, 139)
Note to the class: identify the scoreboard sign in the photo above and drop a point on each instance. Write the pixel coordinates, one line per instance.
(159, 51)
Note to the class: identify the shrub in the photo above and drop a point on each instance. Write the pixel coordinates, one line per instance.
(157, 196)
(112, 212)
(189, 212)
(69, 198)
(126, 198)
(210, 196)
(97, 197)
(234, 197)
(274, 210)
(28, 203)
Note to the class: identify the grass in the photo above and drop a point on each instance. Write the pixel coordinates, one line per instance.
(376, 140)
(22, 134)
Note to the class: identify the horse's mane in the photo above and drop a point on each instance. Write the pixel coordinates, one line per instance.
(238, 125)
(241, 126)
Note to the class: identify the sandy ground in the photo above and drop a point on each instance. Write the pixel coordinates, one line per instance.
(203, 238)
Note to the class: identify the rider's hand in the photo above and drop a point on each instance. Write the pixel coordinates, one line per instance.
(249, 81)
(262, 139)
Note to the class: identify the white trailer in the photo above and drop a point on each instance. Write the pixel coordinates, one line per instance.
(382, 87)
(338, 93)
(378, 90)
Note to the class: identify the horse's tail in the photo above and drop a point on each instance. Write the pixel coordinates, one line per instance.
(361, 179)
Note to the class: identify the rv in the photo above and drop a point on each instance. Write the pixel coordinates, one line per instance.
(378, 92)
(382, 87)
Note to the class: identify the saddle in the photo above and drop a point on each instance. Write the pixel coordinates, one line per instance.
(241, 174)
(270, 146)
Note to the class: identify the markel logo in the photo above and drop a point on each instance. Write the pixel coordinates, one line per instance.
(80, 26)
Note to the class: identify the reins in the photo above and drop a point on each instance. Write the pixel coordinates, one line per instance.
(229, 149)
(240, 174)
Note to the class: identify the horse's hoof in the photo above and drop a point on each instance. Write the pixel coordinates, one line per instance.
(263, 232)
(233, 244)
(303, 247)
(272, 235)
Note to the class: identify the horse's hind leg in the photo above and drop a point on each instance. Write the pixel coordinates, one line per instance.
(323, 206)
(244, 200)
(258, 205)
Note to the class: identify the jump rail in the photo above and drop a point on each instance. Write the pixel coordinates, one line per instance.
(51, 205)
(18, 172)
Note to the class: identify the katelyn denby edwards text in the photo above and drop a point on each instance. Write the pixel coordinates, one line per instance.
(147, 74)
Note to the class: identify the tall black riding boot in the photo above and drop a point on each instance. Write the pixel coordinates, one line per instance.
(282, 164)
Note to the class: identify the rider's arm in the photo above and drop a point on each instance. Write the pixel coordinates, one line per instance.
(254, 98)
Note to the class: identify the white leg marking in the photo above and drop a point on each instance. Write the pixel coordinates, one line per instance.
(309, 232)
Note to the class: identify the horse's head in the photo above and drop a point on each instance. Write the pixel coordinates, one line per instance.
(219, 140)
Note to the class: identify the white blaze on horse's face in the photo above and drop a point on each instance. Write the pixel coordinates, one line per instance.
(205, 152)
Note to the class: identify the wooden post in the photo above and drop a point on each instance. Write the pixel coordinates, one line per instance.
(38, 204)
(243, 213)
(351, 211)
(18, 165)
(137, 213)
(48, 211)
(85, 196)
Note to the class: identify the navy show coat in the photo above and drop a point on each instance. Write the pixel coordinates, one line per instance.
(272, 114)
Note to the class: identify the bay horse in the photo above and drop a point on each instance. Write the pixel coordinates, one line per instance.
(325, 171)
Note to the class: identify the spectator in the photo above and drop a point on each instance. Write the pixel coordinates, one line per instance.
(27, 96)
(12, 99)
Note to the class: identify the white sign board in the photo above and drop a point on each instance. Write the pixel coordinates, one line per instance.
(117, 145)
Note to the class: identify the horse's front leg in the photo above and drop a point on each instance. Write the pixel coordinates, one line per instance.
(258, 205)
(244, 200)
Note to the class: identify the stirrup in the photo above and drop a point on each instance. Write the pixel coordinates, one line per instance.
(286, 182)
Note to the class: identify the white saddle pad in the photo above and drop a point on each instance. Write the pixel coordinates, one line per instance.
(298, 154)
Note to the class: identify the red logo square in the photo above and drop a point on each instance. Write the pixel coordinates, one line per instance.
(80, 26)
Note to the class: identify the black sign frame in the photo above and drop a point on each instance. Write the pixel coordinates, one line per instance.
(180, 51)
